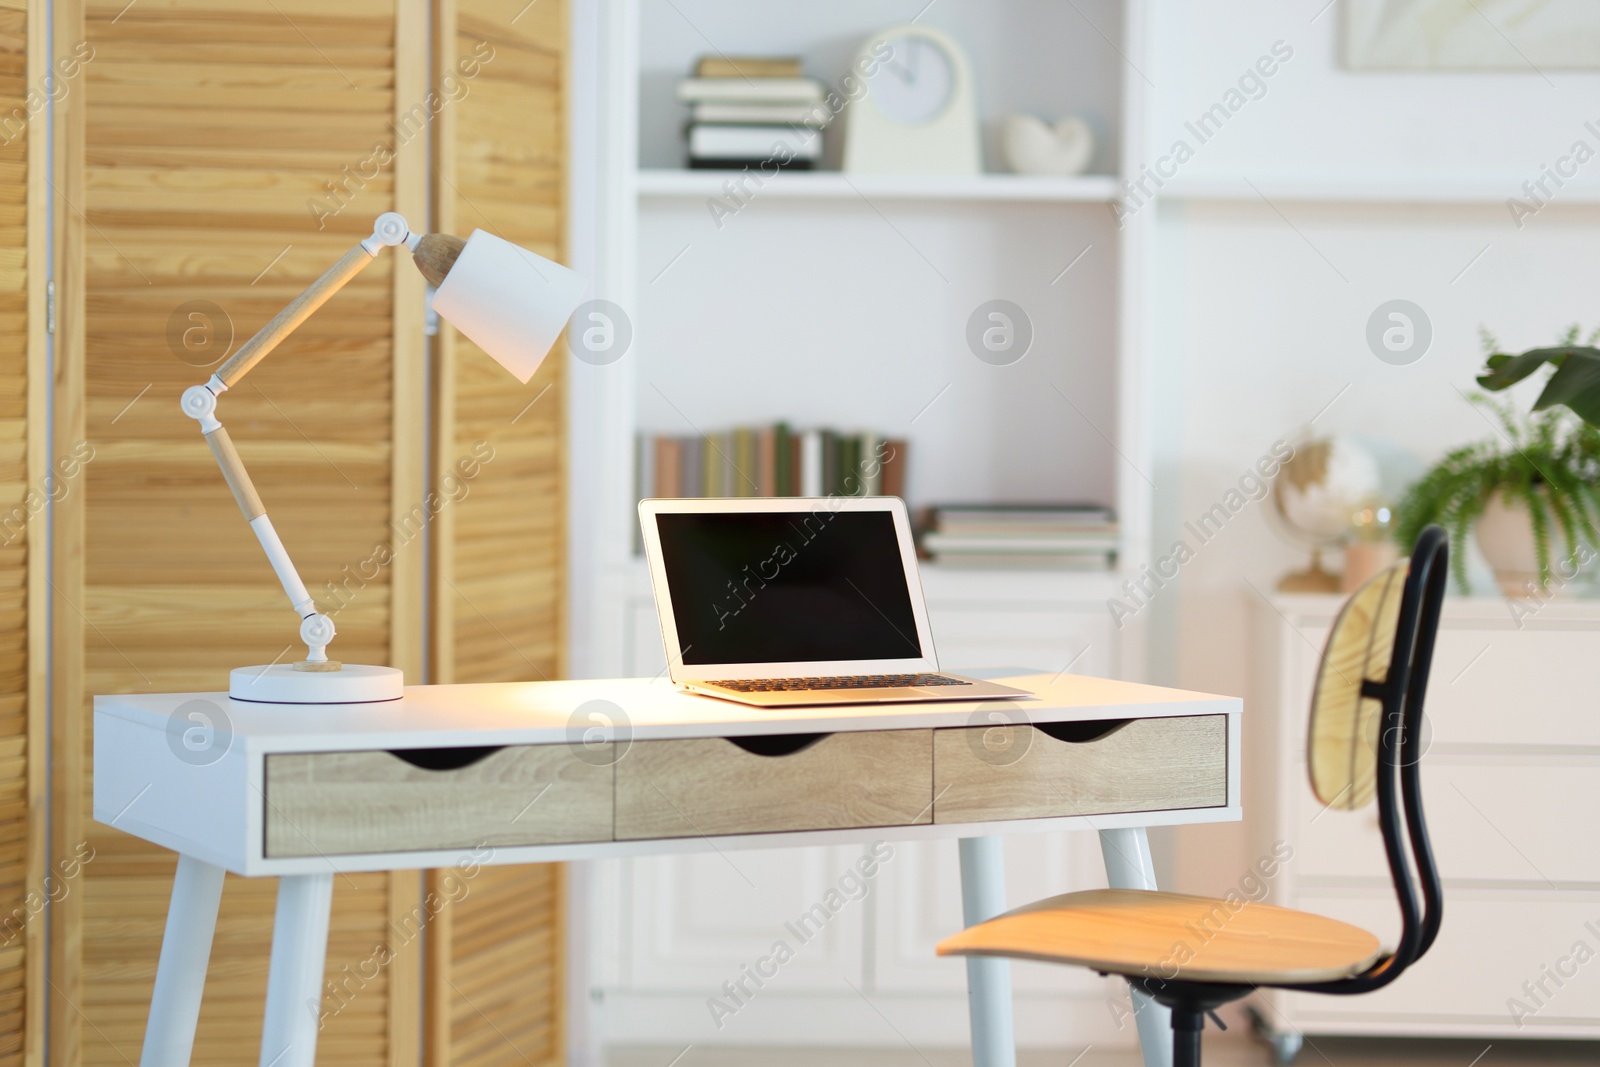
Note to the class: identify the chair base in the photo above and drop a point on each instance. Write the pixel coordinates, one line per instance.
(1190, 1002)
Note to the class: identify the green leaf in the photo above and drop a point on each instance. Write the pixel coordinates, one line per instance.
(1506, 371)
(1576, 384)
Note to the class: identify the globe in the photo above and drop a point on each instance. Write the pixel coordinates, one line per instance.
(1317, 493)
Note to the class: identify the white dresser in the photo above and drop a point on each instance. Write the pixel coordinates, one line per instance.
(1511, 785)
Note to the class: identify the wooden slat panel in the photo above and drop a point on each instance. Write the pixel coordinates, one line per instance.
(209, 131)
(22, 458)
(504, 980)
(68, 713)
(495, 983)
(508, 165)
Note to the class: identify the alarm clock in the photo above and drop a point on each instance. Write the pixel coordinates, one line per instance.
(917, 115)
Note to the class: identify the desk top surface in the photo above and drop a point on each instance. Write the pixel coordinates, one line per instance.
(633, 708)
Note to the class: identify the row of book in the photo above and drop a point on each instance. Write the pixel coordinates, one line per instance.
(753, 111)
(770, 461)
(1064, 536)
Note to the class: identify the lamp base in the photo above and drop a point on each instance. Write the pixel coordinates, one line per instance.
(280, 683)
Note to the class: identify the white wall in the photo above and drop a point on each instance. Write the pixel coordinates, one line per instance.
(1259, 310)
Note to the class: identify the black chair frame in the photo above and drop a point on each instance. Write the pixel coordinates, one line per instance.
(1399, 789)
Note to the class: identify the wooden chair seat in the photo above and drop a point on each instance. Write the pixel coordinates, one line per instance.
(1172, 935)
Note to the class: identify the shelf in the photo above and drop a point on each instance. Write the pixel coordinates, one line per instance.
(1100, 188)
(1408, 190)
(832, 185)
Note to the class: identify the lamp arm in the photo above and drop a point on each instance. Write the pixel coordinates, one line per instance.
(200, 403)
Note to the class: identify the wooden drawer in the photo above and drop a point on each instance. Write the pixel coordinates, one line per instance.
(1498, 686)
(1490, 818)
(327, 803)
(713, 786)
(991, 773)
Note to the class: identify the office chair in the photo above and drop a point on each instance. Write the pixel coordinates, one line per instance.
(1364, 741)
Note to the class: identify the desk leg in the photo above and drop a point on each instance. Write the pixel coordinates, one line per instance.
(294, 983)
(983, 896)
(181, 971)
(1129, 866)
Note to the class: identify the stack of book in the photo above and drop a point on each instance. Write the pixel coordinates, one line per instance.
(770, 461)
(753, 112)
(1064, 536)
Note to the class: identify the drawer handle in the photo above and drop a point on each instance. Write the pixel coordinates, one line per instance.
(1077, 733)
(444, 759)
(776, 744)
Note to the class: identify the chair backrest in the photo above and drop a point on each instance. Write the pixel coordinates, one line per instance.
(1365, 738)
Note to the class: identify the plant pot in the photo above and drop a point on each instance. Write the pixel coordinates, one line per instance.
(1505, 537)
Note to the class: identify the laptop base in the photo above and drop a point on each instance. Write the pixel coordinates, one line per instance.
(974, 689)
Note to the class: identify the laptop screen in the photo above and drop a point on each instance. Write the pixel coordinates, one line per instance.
(782, 587)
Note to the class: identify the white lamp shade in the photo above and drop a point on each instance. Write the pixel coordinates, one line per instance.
(508, 301)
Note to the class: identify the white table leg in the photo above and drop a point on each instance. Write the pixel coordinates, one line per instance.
(1129, 866)
(294, 983)
(983, 896)
(181, 971)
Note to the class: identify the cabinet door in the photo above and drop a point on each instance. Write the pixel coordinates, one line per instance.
(918, 904)
(1495, 951)
(1491, 818)
(698, 919)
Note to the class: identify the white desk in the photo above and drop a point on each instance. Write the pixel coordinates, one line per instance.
(522, 773)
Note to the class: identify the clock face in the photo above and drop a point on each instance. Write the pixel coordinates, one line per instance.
(913, 85)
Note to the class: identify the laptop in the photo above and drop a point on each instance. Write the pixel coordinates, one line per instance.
(787, 601)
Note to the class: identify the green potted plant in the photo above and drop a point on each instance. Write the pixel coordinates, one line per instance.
(1531, 496)
(1574, 384)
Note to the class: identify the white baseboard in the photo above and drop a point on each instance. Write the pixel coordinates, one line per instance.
(879, 1020)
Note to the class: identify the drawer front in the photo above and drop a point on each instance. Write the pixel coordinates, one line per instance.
(327, 803)
(1490, 818)
(1502, 687)
(992, 773)
(1514, 687)
(703, 787)
(1490, 944)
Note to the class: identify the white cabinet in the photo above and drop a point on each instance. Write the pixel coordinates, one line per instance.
(1513, 751)
(678, 927)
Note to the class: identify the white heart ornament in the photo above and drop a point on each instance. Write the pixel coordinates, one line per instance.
(1032, 147)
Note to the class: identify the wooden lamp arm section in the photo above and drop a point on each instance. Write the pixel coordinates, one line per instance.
(200, 403)
(299, 310)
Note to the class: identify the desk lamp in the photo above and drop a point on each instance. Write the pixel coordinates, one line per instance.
(508, 301)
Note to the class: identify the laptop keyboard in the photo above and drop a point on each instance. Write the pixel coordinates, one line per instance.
(847, 681)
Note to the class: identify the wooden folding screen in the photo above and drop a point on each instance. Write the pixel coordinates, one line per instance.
(227, 152)
(26, 482)
(212, 157)
(495, 963)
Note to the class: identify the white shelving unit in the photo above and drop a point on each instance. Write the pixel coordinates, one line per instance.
(825, 185)
(836, 300)
(842, 301)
